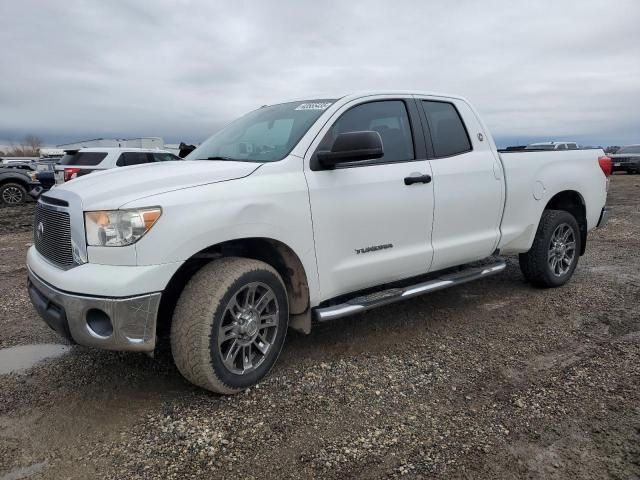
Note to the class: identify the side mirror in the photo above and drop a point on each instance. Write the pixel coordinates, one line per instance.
(352, 147)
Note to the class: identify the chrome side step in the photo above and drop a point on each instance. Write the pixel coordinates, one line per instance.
(377, 299)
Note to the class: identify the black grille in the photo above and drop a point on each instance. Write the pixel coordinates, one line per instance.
(52, 235)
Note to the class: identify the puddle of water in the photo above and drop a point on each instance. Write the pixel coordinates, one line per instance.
(23, 357)
(24, 472)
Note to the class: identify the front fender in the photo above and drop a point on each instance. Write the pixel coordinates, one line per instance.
(272, 205)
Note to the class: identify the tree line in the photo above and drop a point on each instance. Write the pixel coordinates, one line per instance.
(29, 147)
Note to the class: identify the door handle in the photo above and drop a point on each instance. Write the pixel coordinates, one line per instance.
(417, 179)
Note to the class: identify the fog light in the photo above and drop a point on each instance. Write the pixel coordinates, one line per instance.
(99, 323)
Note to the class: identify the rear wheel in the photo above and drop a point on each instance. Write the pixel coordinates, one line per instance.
(553, 257)
(230, 324)
(12, 194)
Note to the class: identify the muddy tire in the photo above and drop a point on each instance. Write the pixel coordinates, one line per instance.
(12, 194)
(230, 324)
(553, 257)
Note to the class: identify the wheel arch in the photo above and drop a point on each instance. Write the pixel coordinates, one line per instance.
(14, 179)
(573, 202)
(273, 252)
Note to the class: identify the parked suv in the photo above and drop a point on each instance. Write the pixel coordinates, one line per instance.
(76, 163)
(16, 182)
(552, 146)
(627, 159)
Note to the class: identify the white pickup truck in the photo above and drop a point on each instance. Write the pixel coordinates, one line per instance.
(298, 213)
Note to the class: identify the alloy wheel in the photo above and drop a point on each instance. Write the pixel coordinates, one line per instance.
(248, 328)
(562, 249)
(12, 195)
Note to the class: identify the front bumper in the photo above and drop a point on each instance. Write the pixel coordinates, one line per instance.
(110, 323)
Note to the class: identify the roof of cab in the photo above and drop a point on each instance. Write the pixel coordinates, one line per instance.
(368, 93)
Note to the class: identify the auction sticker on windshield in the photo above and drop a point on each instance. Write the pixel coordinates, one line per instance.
(313, 106)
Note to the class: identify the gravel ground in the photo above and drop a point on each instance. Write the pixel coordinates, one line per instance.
(492, 379)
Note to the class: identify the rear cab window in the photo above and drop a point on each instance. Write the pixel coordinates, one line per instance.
(448, 133)
(89, 159)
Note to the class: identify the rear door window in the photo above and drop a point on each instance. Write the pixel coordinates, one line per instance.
(128, 159)
(448, 133)
(89, 159)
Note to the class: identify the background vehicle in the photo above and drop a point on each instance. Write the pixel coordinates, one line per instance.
(626, 159)
(41, 173)
(45, 175)
(77, 163)
(16, 184)
(7, 161)
(299, 212)
(552, 146)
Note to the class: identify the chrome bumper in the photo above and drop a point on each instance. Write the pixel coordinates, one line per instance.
(108, 323)
(604, 218)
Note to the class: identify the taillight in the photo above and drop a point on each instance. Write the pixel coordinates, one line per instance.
(70, 173)
(605, 165)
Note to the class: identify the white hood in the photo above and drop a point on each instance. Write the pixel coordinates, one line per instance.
(110, 189)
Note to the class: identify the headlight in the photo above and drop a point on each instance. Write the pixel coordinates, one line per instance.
(117, 228)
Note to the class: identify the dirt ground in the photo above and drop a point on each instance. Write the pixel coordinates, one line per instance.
(492, 379)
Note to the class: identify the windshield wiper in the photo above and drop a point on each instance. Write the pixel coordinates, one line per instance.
(217, 157)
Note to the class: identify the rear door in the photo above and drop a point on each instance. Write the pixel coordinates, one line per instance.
(467, 181)
(369, 226)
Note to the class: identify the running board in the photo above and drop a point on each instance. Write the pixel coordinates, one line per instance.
(392, 295)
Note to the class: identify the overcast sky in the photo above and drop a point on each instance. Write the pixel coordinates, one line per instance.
(72, 70)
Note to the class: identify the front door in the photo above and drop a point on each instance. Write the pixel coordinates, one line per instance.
(369, 226)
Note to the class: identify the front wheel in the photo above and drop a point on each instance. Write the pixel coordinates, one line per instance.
(553, 257)
(12, 194)
(229, 324)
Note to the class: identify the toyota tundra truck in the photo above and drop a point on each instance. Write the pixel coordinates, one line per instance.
(299, 213)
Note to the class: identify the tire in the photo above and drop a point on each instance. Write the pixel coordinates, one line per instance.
(12, 194)
(537, 264)
(210, 318)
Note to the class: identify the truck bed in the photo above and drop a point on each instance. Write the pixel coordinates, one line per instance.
(534, 177)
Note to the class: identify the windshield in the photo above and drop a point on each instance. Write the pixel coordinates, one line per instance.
(629, 149)
(545, 146)
(264, 135)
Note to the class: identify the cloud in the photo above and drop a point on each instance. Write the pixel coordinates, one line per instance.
(180, 70)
